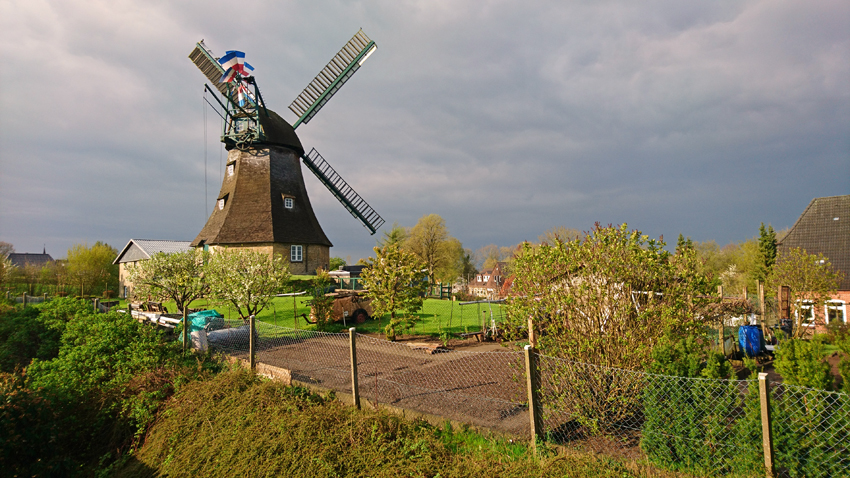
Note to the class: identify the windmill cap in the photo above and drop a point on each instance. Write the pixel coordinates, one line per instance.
(278, 132)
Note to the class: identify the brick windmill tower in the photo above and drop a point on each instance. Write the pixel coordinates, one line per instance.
(263, 203)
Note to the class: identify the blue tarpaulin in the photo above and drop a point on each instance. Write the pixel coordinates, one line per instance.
(199, 321)
(751, 339)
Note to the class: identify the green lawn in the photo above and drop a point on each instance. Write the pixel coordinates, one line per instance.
(436, 316)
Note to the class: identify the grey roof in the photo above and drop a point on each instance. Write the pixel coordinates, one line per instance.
(141, 249)
(21, 259)
(824, 228)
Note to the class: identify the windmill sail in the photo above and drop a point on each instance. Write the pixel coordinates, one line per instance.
(332, 77)
(342, 191)
(204, 60)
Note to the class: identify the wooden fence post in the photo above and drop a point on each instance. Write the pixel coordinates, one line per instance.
(767, 439)
(720, 330)
(24, 299)
(533, 383)
(96, 302)
(532, 337)
(251, 345)
(352, 344)
(760, 286)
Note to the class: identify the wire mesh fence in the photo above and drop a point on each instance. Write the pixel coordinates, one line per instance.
(701, 426)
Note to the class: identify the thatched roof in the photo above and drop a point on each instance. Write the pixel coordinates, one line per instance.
(254, 196)
(824, 228)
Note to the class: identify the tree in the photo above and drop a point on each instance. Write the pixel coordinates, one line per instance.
(7, 270)
(487, 256)
(322, 306)
(429, 239)
(177, 276)
(92, 266)
(397, 235)
(606, 299)
(245, 279)
(395, 281)
(6, 249)
(561, 233)
(811, 281)
(336, 263)
(682, 243)
(767, 252)
(467, 266)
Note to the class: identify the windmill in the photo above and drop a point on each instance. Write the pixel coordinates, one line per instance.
(263, 203)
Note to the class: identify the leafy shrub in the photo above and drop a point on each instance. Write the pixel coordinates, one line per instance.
(801, 362)
(34, 332)
(96, 397)
(687, 419)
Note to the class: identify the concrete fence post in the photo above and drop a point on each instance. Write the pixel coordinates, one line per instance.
(96, 302)
(355, 388)
(252, 346)
(24, 299)
(533, 383)
(767, 439)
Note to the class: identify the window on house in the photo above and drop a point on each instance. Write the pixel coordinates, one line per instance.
(295, 254)
(479, 279)
(287, 203)
(836, 310)
(231, 168)
(808, 314)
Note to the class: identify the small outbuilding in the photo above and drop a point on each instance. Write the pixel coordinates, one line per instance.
(139, 250)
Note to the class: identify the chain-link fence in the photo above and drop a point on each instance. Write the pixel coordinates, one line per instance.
(701, 426)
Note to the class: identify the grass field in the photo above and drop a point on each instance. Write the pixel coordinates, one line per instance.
(435, 318)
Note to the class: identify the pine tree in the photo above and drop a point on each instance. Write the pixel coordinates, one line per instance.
(767, 251)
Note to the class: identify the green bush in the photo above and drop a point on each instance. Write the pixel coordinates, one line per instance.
(689, 409)
(83, 408)
(34, 332)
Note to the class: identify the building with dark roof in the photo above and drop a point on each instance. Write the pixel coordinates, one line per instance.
(263, 203)
(23, 259)
(139, 250)
(824, 228)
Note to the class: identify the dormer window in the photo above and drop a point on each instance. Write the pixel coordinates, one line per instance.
(288, 203)
(222, 201)
(231, 168)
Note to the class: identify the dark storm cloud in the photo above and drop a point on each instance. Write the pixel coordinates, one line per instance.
(506, 119)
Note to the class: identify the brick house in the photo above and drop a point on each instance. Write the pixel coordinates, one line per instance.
(488, 283)
(824, 228)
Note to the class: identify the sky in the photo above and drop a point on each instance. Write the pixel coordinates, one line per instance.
(505, 118)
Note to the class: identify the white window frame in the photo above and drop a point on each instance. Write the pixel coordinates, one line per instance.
(809, 321)
(835, 304)
(231, 169)
(221, 203)
(288, 203)
(296, 254)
